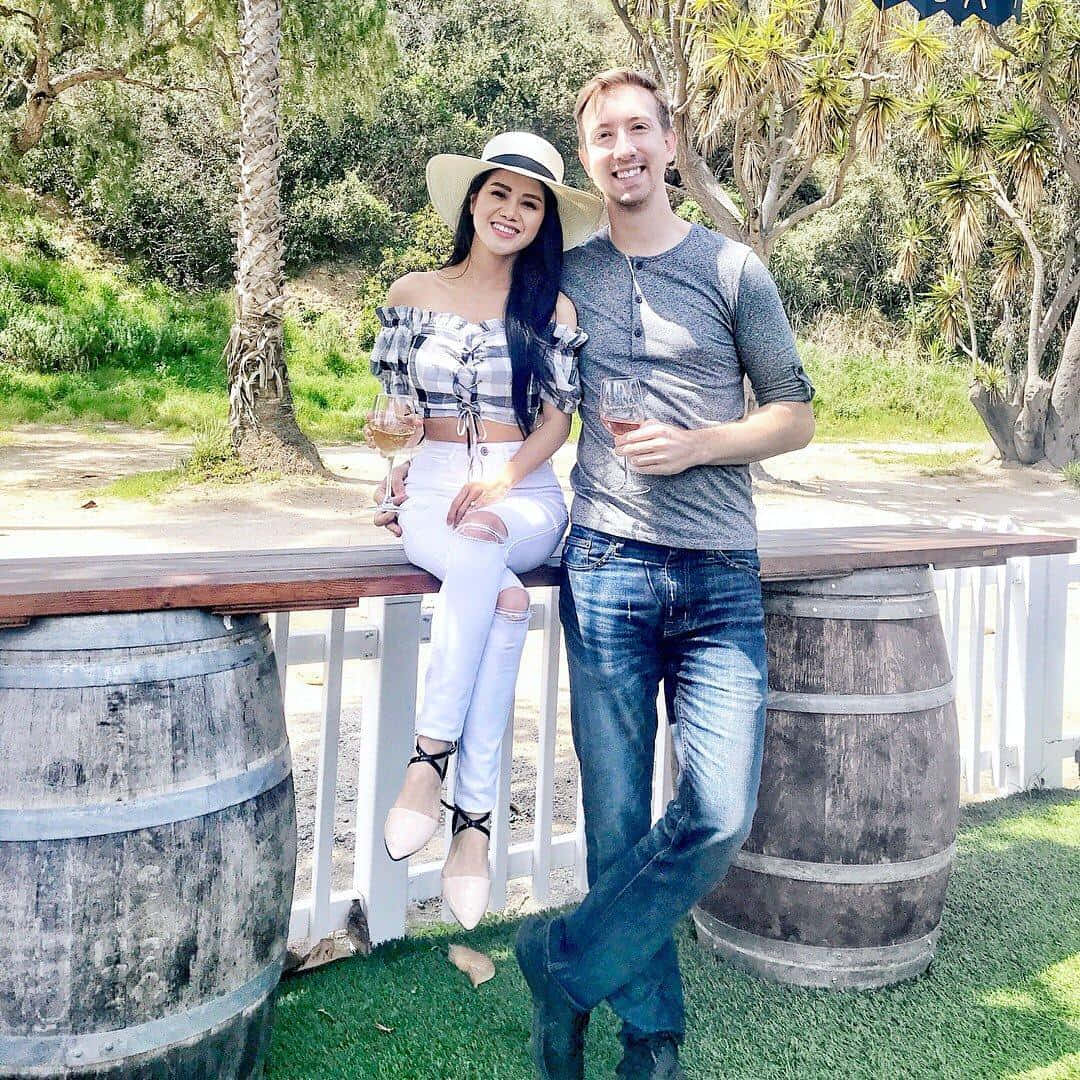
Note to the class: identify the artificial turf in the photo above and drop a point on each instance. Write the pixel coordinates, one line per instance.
(1002, 998)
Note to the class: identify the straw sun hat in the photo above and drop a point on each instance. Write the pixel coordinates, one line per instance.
(449, 176)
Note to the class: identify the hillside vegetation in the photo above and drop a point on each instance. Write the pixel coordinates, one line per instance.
(83, 339)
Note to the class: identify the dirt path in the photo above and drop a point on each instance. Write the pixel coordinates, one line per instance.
(48, 474)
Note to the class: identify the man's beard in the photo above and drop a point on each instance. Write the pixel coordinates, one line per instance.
(629, 201)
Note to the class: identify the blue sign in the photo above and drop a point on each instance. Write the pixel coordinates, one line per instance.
(995, 12)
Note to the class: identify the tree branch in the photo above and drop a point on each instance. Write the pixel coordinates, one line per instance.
(633, 31)
(1067, 289)
(13, 13)
(1038, 272)
(680, 97)
(836, 188)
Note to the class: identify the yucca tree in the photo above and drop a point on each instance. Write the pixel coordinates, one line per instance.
(1009, 127)
(947, 299)
(962, 193)
(775, 86)
(911, 248)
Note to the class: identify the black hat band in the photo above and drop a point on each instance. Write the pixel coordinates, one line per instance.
(520, 161)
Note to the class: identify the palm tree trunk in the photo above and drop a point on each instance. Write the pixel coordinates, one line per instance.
(261, 418)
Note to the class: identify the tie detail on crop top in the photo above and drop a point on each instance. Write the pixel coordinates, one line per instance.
(461, 368)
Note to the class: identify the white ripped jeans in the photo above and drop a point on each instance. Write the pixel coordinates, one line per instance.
(475, 646)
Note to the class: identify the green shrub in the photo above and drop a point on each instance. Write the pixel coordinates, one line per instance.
(839, 259)
(466, 71)
(153, 179)
(427, 246)
(342, 217)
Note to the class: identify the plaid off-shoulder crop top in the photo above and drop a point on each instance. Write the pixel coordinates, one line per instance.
(461, 368)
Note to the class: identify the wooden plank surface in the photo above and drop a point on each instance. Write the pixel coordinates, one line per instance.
(296, 578)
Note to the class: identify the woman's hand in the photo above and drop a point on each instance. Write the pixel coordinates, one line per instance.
(387, 519)
(475, 495)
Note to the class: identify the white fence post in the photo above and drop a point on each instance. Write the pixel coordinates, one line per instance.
(663, 755)
(500, 825)
(547, 726)
(326, 791)
(386, 742)
(1041, 658)
(1003, 762)
(279, 630)
(976, 651)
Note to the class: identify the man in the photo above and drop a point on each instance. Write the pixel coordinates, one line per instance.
(660, 582)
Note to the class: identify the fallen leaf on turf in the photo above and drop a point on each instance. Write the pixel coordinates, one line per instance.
(384, 1029)
(88, 505)
(477, 965)
(328, 1015)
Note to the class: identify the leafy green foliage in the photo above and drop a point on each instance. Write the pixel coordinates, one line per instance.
(841, 257)
(467, 69)
(82, 341)
(343, 217)
(153, 179)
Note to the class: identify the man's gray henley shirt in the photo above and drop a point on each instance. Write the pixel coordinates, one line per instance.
(689, 323)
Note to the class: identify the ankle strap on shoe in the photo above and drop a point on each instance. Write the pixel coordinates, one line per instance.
(461, 820)
(434, 759)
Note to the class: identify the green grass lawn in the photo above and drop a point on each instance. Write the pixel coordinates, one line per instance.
(1001, 1000)
(83, 341)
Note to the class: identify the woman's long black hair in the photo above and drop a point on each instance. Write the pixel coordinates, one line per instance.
(534, 289)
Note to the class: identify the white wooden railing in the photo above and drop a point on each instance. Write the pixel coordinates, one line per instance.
(1019, 742)
(1011, 695)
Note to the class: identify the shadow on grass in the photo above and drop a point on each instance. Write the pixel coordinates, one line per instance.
(1002, 998)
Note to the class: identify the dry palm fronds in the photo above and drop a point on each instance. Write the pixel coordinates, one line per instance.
(1024, 142)
(911, 250)
(932, 117)
(781, 66)
(734, 63)
(882, 108)
(1011, 257)
(823, 108)
(962, 192)
(920, 50)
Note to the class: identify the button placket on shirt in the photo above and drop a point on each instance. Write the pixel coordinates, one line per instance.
(638, 301)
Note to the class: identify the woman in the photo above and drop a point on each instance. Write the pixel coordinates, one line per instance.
(488, 345)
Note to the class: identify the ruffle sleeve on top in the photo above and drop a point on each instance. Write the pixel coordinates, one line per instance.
(559, 380)
(398, 327)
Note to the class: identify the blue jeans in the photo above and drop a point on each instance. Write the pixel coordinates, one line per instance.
(633, 614)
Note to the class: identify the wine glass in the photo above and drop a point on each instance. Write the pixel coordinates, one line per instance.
(392, 425)
(622, 410)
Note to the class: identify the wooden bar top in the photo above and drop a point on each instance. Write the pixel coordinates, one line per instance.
(292, 579)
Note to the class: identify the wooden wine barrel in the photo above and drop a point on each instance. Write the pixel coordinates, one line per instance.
(842, 880)
(147, 846)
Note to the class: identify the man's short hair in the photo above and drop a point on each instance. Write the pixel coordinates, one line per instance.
(607, 81)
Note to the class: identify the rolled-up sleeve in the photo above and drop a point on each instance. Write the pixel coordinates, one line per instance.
(764, 341)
